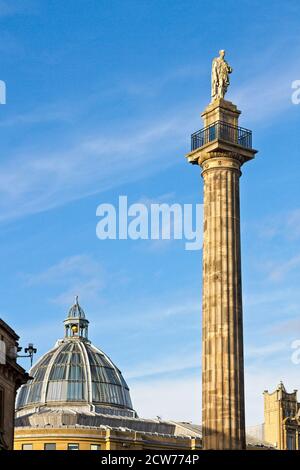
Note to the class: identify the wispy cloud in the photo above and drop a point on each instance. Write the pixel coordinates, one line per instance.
(269, 90)
(268, 297)
(281, 270)
(253, 352)
(45, 114)
(151, 313)
(77, 275)
(35, 181)
(285, 224)
(293, 223)
(156, 85)
(289, 327)
(181, 361)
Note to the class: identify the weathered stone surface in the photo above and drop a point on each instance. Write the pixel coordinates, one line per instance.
(222, 354)
(223, 408)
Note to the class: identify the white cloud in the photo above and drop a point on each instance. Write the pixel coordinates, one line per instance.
(42, 114)
(79, 275)
(35, 181)
(280, 270)
(181, 361)
(266, 350)
(150, 312)
(291, 326)
(293, 224)
(283, 224)
(269, 93)
(268, 297)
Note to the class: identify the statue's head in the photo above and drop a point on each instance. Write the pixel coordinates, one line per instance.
(222, 53)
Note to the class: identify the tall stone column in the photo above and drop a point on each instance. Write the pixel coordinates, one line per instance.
(221, 149)
(222, 353)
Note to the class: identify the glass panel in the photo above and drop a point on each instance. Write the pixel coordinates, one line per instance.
(35, 393)
(50, 446)
(98, 359)
(108, 393)
(97, 374)
(75, 391)
(290, 442)
(46, 360)
(68, 347)
(22, 395)
(95, 447)
(57, 391)
(62, 358)
(104, 374)
(26, 446)
(76, 373)
(75, 358)
(123, 381)
(127, 398)
(73, 446)
(43, 362)
(58, 372)
(40, 374)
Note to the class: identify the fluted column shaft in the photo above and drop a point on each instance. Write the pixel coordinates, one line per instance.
(223, 412)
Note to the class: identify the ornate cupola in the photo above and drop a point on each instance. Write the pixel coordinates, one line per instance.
(76, 325)
(76, 375)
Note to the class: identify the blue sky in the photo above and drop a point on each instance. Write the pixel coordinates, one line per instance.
(102, 97)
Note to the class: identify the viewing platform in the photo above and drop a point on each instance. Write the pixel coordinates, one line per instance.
(222, 131)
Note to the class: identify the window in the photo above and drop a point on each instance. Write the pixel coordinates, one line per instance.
(290, 442)
(73, 446)
(95, 447)
(1, 407)
(50, 446)
(26, 446)
(2, 352)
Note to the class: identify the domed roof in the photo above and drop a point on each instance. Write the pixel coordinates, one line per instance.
(75, 372)
(76, 311)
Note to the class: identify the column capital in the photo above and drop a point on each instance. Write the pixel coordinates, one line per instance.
(220, 158)
(221, 161)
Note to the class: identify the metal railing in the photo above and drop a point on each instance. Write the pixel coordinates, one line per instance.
(223, 131)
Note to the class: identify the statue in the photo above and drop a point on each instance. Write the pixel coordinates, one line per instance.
(220, 76)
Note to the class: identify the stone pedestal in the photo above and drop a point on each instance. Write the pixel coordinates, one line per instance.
(223, 409)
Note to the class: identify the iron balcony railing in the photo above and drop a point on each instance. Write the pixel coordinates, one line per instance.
(223, 131)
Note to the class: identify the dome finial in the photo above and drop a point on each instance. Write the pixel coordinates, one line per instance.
(76, 310)
(76, 324)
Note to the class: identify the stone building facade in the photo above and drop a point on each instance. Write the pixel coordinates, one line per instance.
(282, 419)
(12, 375)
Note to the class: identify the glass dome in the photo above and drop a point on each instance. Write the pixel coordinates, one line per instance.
(75, 372)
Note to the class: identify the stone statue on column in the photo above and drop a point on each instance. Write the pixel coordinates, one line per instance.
(220, 76)
(221, 151)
